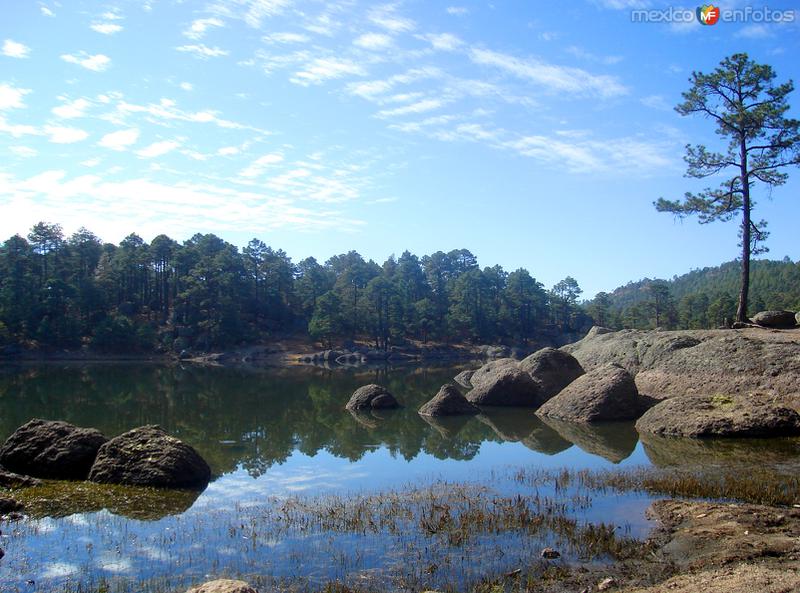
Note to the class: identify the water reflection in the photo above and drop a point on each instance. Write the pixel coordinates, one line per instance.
(614, 441)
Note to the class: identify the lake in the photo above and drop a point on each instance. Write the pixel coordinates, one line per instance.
(305, 492)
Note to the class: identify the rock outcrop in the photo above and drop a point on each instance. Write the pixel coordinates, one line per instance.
(719, 416)
(604, 394)
(51, 449)
(371, 397)
(701, 362)
(448, 402)
(779, 319)
(506, 385)
(222, 586)
(552, 370)
(148, 456)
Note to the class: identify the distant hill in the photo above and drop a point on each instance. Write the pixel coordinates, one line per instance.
(700, 298)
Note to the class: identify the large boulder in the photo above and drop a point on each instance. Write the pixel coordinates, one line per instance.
(507, 386)
(779, 319)
(448, 402)
(604, 394)
(487, 371)
(51, 449)
(148, 456)
(372, 397)
(222, 586)
(552, 369)
(719, 416)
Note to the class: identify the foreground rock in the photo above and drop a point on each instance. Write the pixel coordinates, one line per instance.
(720, 416)
(552, 370)
(604, 394)
(148, 456)
(9, 506)
(778, 319)
(372, 397)
(488, 372)
(702, 362)
(448, 402)
(507, 385)
(222, 586)
(51, 449)
(11, 480)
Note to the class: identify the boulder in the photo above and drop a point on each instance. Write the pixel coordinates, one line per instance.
(552, 370)
(448, 402)
(11, 480)
(487, 371)
(371, 397)
(222, 586)
(9, 506)
(720, 416)
(148, 456)
(506, 386)
(779, 319)
(604, 394)
(464, 378)
(51, 449)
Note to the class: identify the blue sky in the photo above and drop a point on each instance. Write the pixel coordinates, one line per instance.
(535, 134)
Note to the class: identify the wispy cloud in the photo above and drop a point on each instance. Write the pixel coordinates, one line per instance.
(202, 51)
(120, 140)
(582, 54)
(157, 149)
(417, 107)
(373, 41)
(72, 109)
(106, 28)
(12, 97)
(260, 165)
(65, 134)
(443, 41)
(47, 12)
(656, 102)
(198, 27)
(14, 49)
(95, 63)
(457, 10)
(286, 37)
(387, 17)
(320, 70)
(552, 77)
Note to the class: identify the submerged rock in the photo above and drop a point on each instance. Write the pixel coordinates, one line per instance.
(371, 397)
(448, 402)
(507, 385)
(778, 319)
(51, 449)
(552, 370)
(222, 586)
(719, 416)
(148, 456)
(604, 394)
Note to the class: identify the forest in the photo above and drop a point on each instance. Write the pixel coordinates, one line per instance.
(67, 292)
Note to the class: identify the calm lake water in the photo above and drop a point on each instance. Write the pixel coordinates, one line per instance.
(276, 439)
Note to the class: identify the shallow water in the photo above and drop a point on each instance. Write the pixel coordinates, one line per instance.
(279, 440)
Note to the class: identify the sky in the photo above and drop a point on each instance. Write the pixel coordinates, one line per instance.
(534, 134)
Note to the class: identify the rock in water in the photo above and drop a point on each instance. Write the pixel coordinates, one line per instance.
(606, 393)
(223, 586)
(552, 369)
(507, 386)
(487, 371)
(464, 379)
(448, 402)
(719, 416)
(148, 456)
(51, 449)
(371, 397)
(778, 319)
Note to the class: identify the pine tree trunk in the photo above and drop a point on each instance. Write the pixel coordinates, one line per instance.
(741, 311)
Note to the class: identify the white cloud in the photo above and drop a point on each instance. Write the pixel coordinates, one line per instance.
(158, 149)
(260, 165)
(120, 140)
(656, 102)
(258, 10)
(228, 151)
(72, 109)
(559, 79)
(373, 89)
(47, 12)
(166, 110)
(373, 41)
(187, 86)
(65, 135)
(286, 38)
(418, 107)
(198, 28)
(320, 70)
(443, 41)
(386, 17)
(11, 97)
(14, 49)
(203, 51)
(582, 54)
(457, 10)
(23, 151)
(95, 63)
(106, 28)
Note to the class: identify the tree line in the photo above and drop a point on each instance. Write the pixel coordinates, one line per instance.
(702, 299)
(205, 293)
